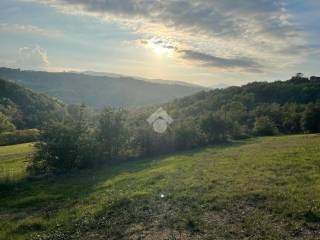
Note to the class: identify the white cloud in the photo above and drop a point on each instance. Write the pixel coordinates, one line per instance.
(29, 29)
(33, 57)
(259, 30)
(6, 27)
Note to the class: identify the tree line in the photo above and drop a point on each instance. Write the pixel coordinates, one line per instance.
(86, 138)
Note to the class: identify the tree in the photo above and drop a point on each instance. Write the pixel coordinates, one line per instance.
(237, 131)
(234, 111)
(214, 129)
(65, 146)
(142, 141)
(264, 126)
(57, 149)
(235, 115)
(292, 114)
(187, 135)
(299, 75)
(5, 124)
(111, 134)
(311, 118)
(273, 111)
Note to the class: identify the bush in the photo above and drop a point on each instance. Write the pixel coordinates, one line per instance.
(57, 150)
(19, 136)
(63, 147)
(74, 144)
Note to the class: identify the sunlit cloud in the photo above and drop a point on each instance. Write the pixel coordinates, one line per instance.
(33, 57)
(167, 48)
(224, 38)
(228, 29)
(159, 46)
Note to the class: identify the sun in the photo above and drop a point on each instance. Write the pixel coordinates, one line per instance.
(159, 49)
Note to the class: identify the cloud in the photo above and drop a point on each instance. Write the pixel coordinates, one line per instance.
(33, 58)
(6, 27)
(227, 17)
(260, 30)
(219, 62)
(200, 58)
(29, 29)
(166, 44)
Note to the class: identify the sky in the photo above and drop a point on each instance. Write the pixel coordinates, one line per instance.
(205, 42)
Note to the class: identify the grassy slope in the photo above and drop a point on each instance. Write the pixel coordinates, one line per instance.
(13, 160)
(267, 188)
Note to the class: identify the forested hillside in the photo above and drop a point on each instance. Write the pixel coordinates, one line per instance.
(98, 91)
(206, 118)
(20, 108)
(242, 104)
(256, 109)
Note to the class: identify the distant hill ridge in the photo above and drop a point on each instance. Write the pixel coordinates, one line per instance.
(160, 81)
(26, 109)
(99, 91)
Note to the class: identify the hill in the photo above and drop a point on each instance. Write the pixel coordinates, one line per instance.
(26, 109)
(264, 188)
(167, 82)
(207, 117)
(215, 117)
(286, 105)
(295, 91)
(98, 91)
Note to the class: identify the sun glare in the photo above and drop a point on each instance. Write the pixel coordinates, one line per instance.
(159, 49)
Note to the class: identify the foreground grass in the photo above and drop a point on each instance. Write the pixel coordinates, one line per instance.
(13, 161)
(266, 188)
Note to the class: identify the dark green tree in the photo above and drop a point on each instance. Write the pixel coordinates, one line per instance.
(57, 150)
(112, 135)
(311, 118)
(214, 128)
(187, 135)
(264, 126)
(65, 146)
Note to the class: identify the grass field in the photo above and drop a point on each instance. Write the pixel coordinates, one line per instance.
(265, 188)
(13, 160)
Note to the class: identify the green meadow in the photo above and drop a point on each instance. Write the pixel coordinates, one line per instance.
(263, 188)
(13, 161)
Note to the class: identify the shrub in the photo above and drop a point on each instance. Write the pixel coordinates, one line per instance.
(19, 136)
